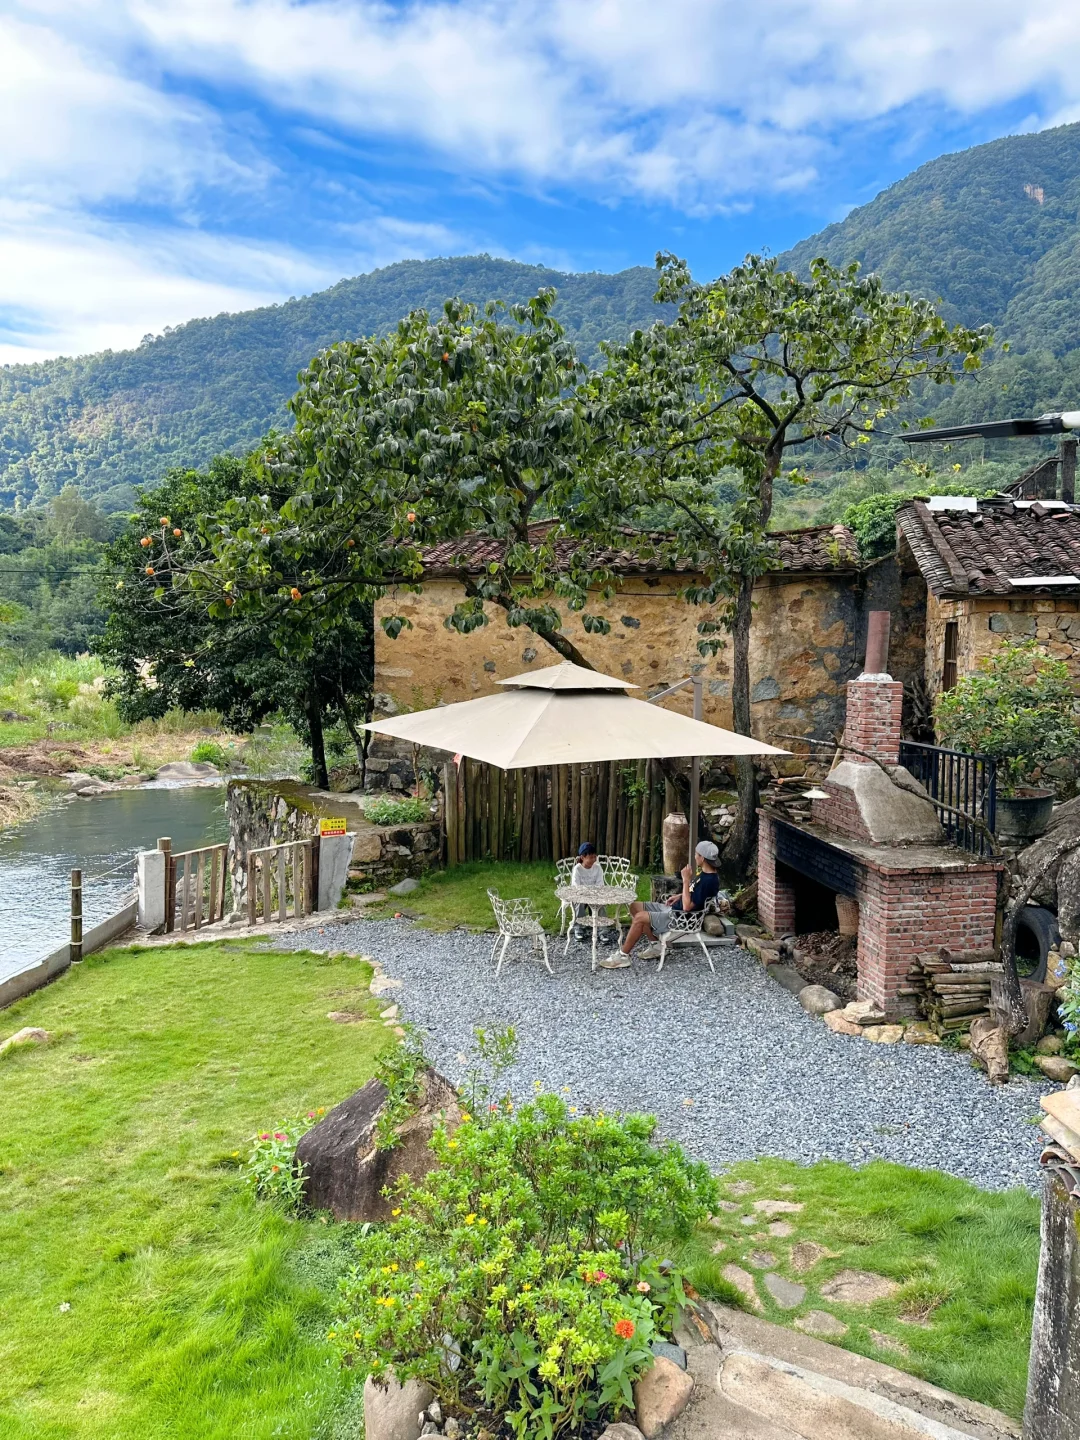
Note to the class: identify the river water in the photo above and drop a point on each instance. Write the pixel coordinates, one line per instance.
(95, 835)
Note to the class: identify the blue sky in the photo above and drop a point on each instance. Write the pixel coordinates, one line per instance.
(163, 159)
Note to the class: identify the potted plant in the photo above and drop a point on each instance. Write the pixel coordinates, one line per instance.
(1019, 707)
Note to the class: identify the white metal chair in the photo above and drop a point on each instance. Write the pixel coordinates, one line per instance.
(564, 869)
(683, 930)
(617, 872)
(517, 919)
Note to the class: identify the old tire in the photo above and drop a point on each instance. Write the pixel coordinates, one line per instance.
(1036, 935)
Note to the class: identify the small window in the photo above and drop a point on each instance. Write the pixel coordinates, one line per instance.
(952, 641)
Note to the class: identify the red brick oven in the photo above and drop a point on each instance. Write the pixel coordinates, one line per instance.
(879, 842)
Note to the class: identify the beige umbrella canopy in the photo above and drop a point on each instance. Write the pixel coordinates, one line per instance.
(565, 715)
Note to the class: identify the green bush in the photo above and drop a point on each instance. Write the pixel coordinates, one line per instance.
(213, 752)
(1019, 706)
(397, 812)
(526, 1272)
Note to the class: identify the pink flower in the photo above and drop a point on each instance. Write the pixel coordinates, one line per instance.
(644, 1287)
(264, 1137)
(278, 1136)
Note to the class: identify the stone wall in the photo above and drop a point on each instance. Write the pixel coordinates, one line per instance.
(266, 812)
(985, 623)
(806, 641)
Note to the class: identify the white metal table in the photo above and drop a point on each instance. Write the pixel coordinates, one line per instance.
(596, 897)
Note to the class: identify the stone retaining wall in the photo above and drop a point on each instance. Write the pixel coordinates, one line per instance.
(266, 812)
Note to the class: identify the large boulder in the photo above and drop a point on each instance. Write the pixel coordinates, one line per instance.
(345, 1173)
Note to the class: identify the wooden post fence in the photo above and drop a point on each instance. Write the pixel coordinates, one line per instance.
(545, 812)
(76, 915)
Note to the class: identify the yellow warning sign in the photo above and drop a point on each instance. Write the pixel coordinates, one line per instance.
(332, 825)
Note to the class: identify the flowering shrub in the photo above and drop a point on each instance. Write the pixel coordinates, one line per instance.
(1069, 1008)
(524, 1273)
(271, 1167)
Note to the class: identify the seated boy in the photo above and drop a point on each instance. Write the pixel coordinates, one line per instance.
(587, 871)
(649, 919)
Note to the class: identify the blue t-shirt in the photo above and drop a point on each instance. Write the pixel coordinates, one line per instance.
(705, 888)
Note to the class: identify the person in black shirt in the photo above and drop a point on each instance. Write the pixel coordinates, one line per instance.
(650, 918)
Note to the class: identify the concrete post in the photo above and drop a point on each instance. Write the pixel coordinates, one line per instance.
(335, 856)
(1052, 1411)
(151, 873)
(1067, 469)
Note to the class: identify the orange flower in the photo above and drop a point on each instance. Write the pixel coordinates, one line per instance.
(145, 541)
(295, 593)
(624, 1329)
(177, 532)
(149, 569)
(411, 517)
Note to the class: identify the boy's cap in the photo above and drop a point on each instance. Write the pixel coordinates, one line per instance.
(707, 850)
(588, 848)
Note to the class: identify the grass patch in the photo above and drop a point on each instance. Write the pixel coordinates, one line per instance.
(448, 898)
(964, 1260)
(194, 1311)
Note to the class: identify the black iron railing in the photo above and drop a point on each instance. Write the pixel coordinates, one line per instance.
(963, 788)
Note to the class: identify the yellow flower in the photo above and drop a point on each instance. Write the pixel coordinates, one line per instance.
(526, 1287)
(537, 1085)
(236, 1154)
(465, 1117)
(394, 1267)
(396, 1212)
(470, 1219)
(421, 1264)
(482, 1220)
(451, 1144)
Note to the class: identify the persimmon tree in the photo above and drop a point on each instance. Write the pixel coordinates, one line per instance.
(754, 366)
(467, 424)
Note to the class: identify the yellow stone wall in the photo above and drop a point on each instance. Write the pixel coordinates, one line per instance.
(985, 623)
(802, 649)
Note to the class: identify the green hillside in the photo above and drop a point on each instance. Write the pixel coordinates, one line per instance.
(994, 234)
(107, 422)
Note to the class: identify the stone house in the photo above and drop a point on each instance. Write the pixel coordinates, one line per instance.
(991, 570)
(806, 641)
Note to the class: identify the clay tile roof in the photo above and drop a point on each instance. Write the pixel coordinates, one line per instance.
(982, 551)
(818, 548)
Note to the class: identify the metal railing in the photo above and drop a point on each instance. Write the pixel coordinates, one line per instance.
(963, 788)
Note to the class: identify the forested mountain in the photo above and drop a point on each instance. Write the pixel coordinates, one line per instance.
(108, 422)
(994, 232)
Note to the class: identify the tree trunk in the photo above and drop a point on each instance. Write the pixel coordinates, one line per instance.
(740, 842)
(319, 773)
(1017, 1016)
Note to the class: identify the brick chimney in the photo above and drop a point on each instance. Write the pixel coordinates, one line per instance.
(863, 803)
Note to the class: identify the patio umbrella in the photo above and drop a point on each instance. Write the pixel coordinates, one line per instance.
(565, 715)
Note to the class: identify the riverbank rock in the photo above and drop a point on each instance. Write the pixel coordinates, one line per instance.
(393, 1411)
(660, 1396)
(29, 1035)
(188, 770)
(345, 1173)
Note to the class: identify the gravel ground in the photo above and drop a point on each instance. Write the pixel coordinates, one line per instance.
(729, 1063)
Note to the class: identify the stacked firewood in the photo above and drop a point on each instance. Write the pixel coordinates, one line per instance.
(953, 987)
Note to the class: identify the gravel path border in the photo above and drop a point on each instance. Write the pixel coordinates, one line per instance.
(730, 1064)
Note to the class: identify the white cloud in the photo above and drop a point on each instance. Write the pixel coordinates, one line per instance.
(111, 109)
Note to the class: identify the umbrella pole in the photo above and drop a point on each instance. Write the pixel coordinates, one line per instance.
(695, 777)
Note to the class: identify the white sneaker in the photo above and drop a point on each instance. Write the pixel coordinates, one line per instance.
(617, 961)
(650, 952)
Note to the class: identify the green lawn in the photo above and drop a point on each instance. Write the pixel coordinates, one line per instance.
(143, 1293)
(447, 898)
(965, 1260)
(194, 1311)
